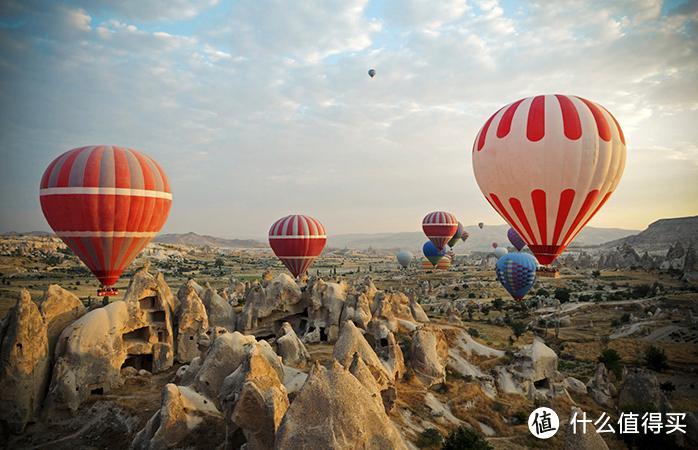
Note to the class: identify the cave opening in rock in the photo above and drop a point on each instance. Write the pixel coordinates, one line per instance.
(139, 334)
(139, 362)
(147, 303)
(323, 334)
(384, 342)
(542, 384)
(97, 391)
(156, 316)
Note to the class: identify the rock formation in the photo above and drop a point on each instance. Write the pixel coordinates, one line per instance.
(59, 309)
(291, 348)
(218, 310)
(181, 412)
(191, 321)
(24, 363)
(352, 342)
(254, 400)
(333, 410)
(134, 332)
(600, 387)
(428, 355)
(591, 440)
(266, 308)
(640, 387)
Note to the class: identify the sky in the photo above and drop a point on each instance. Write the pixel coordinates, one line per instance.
(257, 109)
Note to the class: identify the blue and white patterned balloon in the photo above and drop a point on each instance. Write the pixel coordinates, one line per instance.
(517, 273)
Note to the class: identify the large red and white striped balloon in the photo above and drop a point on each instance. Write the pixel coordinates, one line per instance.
(547, 164)
(297, 240)
(440, 226)
(106, 203)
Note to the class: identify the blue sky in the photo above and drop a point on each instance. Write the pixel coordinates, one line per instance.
(260, 108)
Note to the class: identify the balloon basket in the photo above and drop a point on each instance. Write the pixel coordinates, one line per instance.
(107, 292)
(547, 272)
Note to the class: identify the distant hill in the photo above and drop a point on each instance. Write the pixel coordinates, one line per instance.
(663, 233)
(479, 240)
(198, 240)
(28, 233)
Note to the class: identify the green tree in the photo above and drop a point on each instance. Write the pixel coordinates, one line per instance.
(518, 328)
(498, 304)
(562, 294)
(656, 358)
(465, 439)
(611, 359)
(429, 438)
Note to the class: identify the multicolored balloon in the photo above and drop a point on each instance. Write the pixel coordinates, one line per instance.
(106, 203)
(297, 240)
(517, 273)
(563, 157)
(432, 253)
(500, 251)
(457, 235)
(439, 226)
(515, 239)
(404, 258)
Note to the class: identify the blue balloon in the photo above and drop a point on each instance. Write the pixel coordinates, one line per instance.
(517, 273)
(432, 253)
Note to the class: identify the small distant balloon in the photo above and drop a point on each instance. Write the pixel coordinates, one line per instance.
(372, 73)
(515, 239)
(481, 224)
(517, 273)
(500, 251)
(464, 237)
(495, 245)
(404, 258)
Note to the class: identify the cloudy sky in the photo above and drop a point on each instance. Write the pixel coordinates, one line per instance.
(256, 109)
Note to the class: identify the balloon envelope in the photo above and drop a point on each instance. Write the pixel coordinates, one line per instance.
(457, 235)
(432, 253)
(481, 224)
(439, 226)
(106, 203)
(464, 237)
(563, 157)
(515, 239)
(371, 73)
(517, 273)
(500, 251)
(297, 240)
(495, 245)
(404, 258)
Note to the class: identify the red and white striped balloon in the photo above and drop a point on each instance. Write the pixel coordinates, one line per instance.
(440, 226)
(297, 240)
(106, 203)
(547, 164)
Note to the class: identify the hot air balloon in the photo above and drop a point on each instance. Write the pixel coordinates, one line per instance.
(500, 251)
(464, 237)
(432, 253)
(372, 73)
(481, 224)
(404, 258)
(547, 164)
(495, 245)
(106, 203)
(515, 239)
(439, 226)
(443, 264)
(457, 235)
(517, 273)
(297, 240)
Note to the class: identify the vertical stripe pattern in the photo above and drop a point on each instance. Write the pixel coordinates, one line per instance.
(297, 240)
(106, 203)
(440, 226)
(547, 164)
